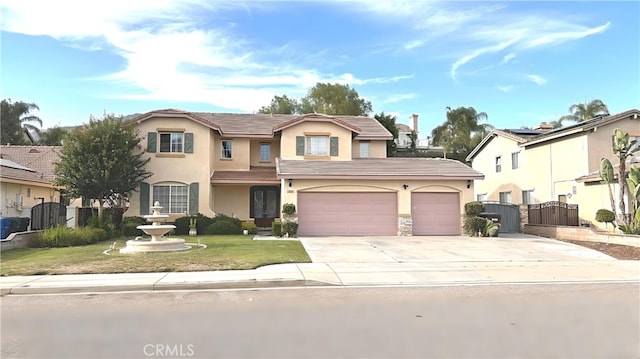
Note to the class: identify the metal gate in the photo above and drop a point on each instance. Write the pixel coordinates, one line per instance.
(49, 214)
(510, 213)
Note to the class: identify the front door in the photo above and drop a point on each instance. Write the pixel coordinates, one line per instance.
(265, 202)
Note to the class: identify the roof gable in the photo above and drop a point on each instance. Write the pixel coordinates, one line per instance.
(316, 118)
(493, 134)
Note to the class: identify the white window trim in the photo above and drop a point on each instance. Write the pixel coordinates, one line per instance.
(167, 209)
(171, 134)
(308, 143)
(268, 145)
(222, 150)
(365, 149)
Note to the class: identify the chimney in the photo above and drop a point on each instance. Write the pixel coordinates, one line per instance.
(414, 119)
(543, 126)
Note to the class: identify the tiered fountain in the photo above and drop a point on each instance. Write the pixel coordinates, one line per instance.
(157, 229)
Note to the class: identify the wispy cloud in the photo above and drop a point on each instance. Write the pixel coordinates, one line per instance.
(478, 52)
(508, 57)
(505, 89)
(398, 98)
(537, 79)
(413, 44)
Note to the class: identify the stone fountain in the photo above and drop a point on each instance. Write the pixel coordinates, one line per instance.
(157, 229)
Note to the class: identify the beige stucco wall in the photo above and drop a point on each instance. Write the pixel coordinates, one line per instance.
(183, 168)
(240, 153)
(232, 200)
(288, 139)
(600, 141)
(289, 194)
(377, 149)
(514, 180)
(255, 152)
(9, 190)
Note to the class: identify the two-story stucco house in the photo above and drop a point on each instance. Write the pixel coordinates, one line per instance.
(333, 168)
(528, 166)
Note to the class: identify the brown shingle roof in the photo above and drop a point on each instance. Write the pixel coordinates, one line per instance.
(381, 168)
(264, 125)
(41, 159)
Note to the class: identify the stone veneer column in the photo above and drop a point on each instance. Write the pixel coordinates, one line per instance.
(405, 225)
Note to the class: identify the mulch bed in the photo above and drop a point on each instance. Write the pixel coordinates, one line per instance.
(618, 251)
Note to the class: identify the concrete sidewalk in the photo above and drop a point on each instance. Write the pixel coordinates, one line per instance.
(370, 261)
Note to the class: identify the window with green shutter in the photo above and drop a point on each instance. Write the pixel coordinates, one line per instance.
(152, 140)
(333, 146)
(188, 142)
(144, 198)
(299, 145)
(193, 198)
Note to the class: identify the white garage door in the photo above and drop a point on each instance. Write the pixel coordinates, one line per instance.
(347, 213)
(435, 213)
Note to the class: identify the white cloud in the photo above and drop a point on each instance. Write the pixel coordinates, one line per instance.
(398, 98)
(413, 44)
(508, 57)
(505, 89)
(537, 79)
(478, 52)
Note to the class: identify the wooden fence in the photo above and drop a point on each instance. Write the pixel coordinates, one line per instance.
(554, 213)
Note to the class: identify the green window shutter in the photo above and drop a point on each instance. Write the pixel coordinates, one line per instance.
(299, 145)
(144, 198)
(152, 139)
(333, 150)
(188, 143)
(193, 198)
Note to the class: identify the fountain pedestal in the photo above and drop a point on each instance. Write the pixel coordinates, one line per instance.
(157, 229)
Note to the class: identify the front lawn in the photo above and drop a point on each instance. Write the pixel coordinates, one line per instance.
(222, 253)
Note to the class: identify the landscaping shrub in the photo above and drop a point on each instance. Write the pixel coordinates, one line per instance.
(288, 208)
(129, 224)
(115, 214)
(291, 228)
(276, 229)
(250, 226)
(62, 236)
(182, 225)
(605, 216)
(224, 217)
(474, 225)
(203, 223)
(473, 208)
(224, 226)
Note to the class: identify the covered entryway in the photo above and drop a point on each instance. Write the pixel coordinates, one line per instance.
(265, 204)
(435, 213)
(347, 213)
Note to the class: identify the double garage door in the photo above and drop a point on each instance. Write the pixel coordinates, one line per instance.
(375, 213)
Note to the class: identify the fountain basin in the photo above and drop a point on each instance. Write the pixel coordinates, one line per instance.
(165, 245)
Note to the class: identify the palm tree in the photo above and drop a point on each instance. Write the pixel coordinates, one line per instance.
(461, 132)
(581, 112)
(16, 120)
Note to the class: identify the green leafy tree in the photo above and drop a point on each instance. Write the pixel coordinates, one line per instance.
(608, 176)
(581, 112)
(100, 161)
(389, 122)
(53, 136)
(335, 99)
(16, 119)
(461, 132)
(282, 105)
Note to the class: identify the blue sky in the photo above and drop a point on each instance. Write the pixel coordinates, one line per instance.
(520, 62)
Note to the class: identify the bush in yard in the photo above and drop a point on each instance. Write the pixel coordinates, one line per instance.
(276, 229)
(202, 223)
(473, 208)
(62, 236)
(288, 208)
(224, 226)
(474, 225)
(291, 228)
(250, 226)
(129, 224)
(605, 216)
(224, 217)
(182, 225)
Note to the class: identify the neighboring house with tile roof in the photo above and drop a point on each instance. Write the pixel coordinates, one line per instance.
(26, 174)
(333, 168)
(529, 166)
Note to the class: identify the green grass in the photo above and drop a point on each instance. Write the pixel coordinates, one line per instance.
(222, 253)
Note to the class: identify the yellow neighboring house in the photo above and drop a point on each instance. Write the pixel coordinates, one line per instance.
(332, 168)
(533, 166)
(26, 175)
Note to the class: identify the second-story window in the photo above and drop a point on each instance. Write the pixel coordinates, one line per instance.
(317, 146)
(265, 152)
(171, 142)
(227, 149)
(364, 149)
(499, 164)
(514, 160)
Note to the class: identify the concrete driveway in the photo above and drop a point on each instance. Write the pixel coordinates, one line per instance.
(509, 247)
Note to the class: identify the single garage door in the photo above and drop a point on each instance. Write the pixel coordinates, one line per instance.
(435, 213)
(347, 213)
